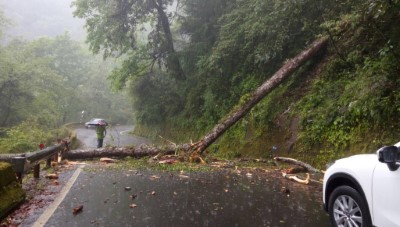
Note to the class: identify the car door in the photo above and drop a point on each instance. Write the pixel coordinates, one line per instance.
(386, 196)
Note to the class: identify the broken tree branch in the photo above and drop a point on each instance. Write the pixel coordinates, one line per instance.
(299, 163)
(296, 178)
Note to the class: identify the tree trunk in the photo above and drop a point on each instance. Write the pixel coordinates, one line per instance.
(172, 60)
(260, 93)
(137, 152)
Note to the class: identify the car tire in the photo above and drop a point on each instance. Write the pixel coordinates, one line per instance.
(347, 205)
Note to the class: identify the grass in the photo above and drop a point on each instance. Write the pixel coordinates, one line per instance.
(213, 164)
(143, 163)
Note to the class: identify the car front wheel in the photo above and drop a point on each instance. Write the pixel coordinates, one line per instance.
(348, 208)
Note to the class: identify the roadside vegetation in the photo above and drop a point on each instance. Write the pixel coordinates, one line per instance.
(48, 82)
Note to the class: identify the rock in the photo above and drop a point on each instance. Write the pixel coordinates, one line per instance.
(11, 192)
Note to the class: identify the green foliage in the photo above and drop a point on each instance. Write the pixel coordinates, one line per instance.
(113, 27)
(356, 94)
(200, 24)
(50, 81)
(135, 66)
(26, 137)
(234, 47)
(256, 35)
(230, 47)
(155, 99)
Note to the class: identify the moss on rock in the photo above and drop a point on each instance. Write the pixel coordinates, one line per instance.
(7, 175)
(11, 192)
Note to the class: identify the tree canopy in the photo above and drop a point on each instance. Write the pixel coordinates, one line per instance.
(113, 27)
(46, 83)
(226, 48)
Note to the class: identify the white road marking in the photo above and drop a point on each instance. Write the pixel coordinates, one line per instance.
(53, 206)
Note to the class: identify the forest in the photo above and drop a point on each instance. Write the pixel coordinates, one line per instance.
(185, 64)
(48, 82)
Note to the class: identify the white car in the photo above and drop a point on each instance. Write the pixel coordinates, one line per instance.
(364, 190)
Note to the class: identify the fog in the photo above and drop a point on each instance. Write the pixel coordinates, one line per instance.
(32, 19)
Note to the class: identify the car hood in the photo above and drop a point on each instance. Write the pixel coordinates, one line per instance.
(356, 165)
(357, 160)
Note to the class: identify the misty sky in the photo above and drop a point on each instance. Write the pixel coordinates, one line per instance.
(37, 18)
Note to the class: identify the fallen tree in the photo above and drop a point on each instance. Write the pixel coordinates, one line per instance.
(137, 152)
(234, 116)
(286, 70)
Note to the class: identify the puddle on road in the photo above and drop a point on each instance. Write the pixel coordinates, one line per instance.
(195, 199)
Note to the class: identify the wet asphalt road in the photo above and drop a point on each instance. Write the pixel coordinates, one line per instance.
(116, 136)
(130, 197)
(189, 199)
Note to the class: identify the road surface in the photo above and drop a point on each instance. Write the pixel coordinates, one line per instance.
(131, 197)
(148, 198)
(116, 136)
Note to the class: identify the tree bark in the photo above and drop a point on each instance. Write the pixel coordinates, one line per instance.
(137, 152)
(172, 60)
(299, 163)
(289, 67)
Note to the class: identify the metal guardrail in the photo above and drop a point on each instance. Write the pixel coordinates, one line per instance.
(24, 162)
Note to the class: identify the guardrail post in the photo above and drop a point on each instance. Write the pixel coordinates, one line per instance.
(56, 157)
(48, 162)
(36, 171)
(19, 166)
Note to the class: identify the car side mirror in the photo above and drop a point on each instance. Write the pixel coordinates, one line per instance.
(391, 156)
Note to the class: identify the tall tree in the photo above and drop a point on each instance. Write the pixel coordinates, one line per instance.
(25, 80)
(113, 27)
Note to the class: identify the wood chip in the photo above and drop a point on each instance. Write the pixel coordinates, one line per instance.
(52, 176)
(108, 160)
(77, 209)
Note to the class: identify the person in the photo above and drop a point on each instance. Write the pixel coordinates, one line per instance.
(101, 132)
